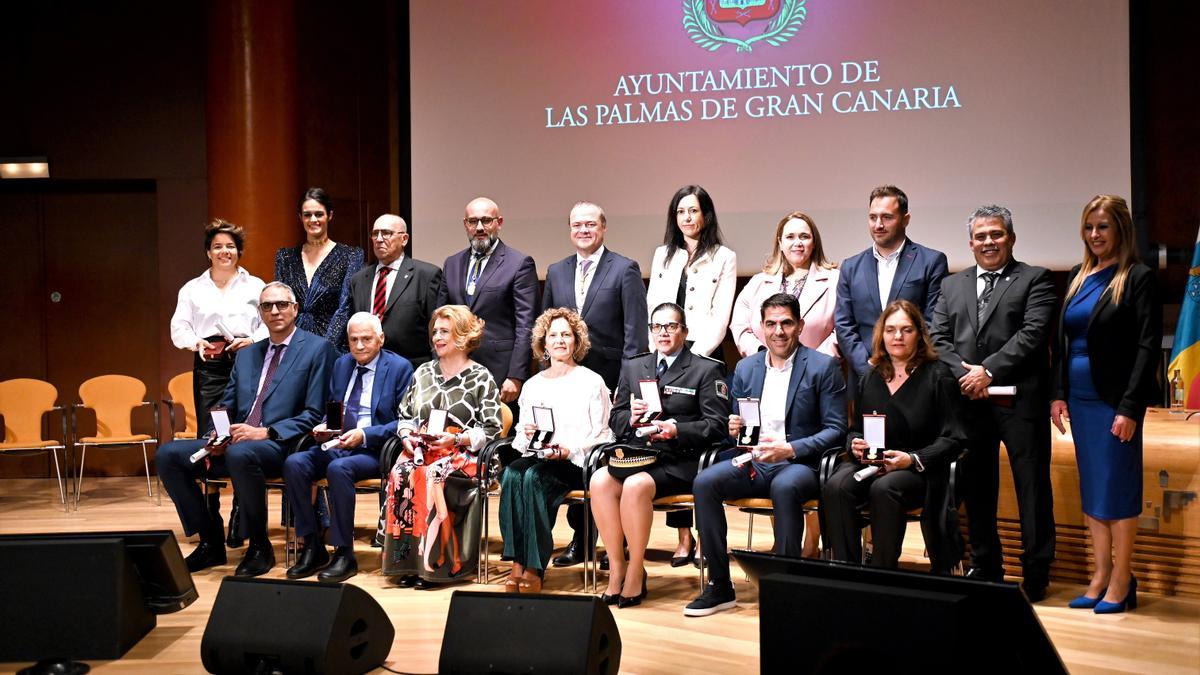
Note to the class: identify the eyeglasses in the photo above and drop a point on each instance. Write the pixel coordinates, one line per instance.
(485, 221)
(385, 235)
(671, 328)
(280, 305)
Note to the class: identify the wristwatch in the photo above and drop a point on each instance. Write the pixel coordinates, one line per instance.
(916, 463)
(272, 434)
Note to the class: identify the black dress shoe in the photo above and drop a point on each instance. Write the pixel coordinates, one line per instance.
(344, 566)
(1035, 587)
(259, 560)
(407, 581)
(207, 554)
(982, 574)
(421, 584)
(681, 560)
(312, 559)
(604, 561)
(572, 556)
(625, 601)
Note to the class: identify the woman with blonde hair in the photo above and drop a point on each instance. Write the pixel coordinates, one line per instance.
(1106, 363)
(431, 487)
(797, 265)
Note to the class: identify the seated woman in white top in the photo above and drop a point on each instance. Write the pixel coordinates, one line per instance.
(533, 487)
(220, 304)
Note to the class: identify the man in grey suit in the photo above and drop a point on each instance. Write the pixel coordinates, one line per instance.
(607, 290)
(499, 284)
(400, 290)
(992, 327)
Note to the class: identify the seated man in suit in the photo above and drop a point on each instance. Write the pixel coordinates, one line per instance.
(369, 382)
(893, 268)
(607, 290)
(802, 411)
(276, 394)
(401, 290)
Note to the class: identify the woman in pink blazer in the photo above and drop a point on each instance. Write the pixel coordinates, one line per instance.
(797, 266)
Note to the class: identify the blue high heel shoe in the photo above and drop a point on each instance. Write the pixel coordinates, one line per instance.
(1083, 602)
(1128, 602)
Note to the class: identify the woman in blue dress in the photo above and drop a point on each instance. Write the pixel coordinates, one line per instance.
(319, 271)
(1106, 365)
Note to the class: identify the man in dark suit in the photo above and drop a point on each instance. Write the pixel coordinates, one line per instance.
(893, 268)
(801, 397)
(992, 327)
(400, 290)
(369, 382)
(276, 395)
(499, 284)
(608, 292)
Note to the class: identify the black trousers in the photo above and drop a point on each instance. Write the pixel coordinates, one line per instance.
(1027, 441)
(889, 497)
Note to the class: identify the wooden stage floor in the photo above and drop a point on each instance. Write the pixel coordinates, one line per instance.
(1161, 636)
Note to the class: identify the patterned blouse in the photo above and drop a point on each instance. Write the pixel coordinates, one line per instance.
(471, 399)
(325, 305)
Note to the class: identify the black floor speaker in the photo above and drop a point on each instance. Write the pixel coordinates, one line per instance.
(70, 598)
(506, 633)
(265, 625)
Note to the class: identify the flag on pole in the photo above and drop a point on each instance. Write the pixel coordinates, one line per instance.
(1185, 356)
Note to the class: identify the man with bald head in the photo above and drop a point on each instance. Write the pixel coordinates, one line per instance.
(400, 290)
(500, 285)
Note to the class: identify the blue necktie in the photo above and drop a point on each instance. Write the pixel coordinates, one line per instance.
(350, 418)
(662, 368)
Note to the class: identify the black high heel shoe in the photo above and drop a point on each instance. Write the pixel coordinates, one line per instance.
(681, 560)
(610, 599)
(623, 601)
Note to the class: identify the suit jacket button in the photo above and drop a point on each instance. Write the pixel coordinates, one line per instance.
(691, 288)
(691, 307)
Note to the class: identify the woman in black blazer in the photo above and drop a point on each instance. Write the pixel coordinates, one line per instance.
(1106, 364)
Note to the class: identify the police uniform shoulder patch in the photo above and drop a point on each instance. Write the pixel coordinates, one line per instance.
(722, 389)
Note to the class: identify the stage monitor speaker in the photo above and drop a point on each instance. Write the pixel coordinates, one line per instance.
(266, 625)
(76, 598)
(506, 633)
(822, 617)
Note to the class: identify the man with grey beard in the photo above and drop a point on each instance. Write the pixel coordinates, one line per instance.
(499, 284)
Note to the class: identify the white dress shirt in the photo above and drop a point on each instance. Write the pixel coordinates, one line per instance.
(772, 407)
(887, 271)
(201, 305)
(364, 400)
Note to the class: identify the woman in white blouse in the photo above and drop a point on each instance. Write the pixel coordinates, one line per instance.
(216, 315)
(533, 487)
(694, 270)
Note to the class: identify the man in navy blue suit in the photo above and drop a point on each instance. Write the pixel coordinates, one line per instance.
(499, 284)
(607, 290)
(276, 395)
(894, 267)
(369, 382)
(802, 413)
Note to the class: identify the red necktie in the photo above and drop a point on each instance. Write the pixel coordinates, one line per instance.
(254, 419)
(380, 292)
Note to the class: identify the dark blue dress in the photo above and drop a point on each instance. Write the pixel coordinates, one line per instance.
(325, 305)
(1110, 472)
